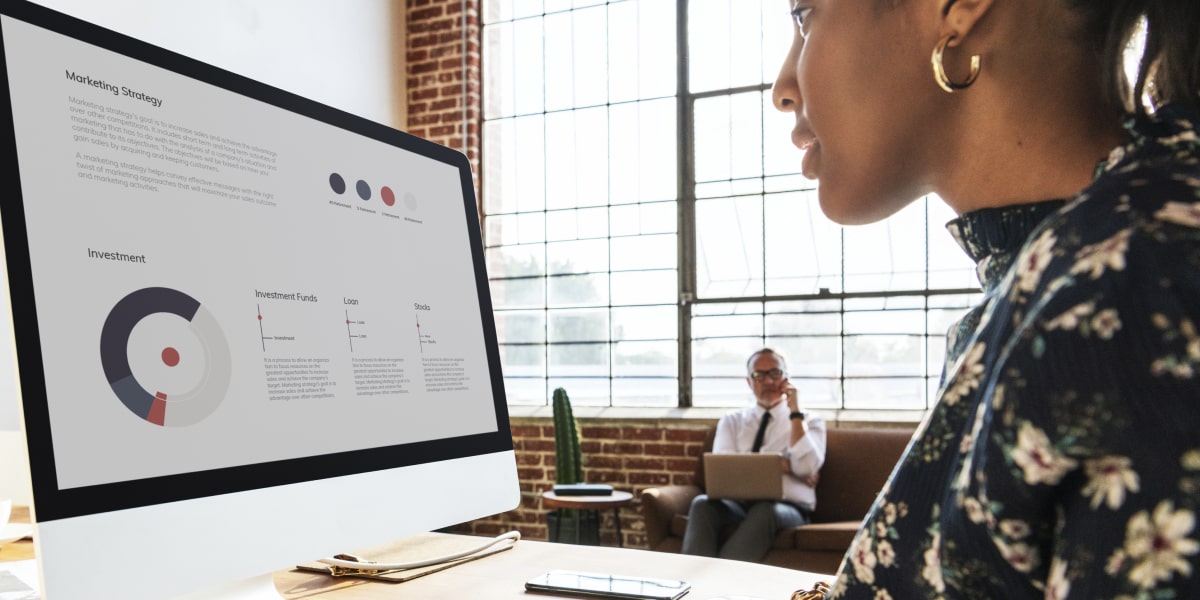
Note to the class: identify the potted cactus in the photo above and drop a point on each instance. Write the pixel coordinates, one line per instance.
(568, 461)
(568, 524)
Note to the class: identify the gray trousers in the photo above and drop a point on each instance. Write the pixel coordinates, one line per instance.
(757, 524)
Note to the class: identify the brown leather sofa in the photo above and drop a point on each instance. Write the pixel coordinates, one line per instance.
(857, 464)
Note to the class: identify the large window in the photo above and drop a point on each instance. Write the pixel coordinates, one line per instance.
(647, 228)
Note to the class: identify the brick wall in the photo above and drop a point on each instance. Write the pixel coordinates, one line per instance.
(437, 108)
(629, 454)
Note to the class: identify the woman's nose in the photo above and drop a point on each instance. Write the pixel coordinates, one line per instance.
(785, 94)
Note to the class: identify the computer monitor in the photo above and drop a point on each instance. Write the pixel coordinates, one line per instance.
(251, 330)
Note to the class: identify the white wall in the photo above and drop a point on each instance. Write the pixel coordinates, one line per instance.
(349, 55)
(338, 52)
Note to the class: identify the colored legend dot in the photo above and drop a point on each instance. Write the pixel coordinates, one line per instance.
(389, 198)
(170, 356)
(337, 183)
(364, 189)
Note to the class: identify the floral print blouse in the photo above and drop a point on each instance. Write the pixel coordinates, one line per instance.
(1062, 459)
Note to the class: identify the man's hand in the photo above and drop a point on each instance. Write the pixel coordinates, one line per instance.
(791, 396)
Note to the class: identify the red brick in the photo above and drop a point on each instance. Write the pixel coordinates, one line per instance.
(529, 460)
(641, 433)
(443, 51)
(613, 477)
(685, 435)
(425, 14)
(649, 479)
(422, 68)
(664, 450)
(423, 119)
(681, 465)
(612, 433)
(526, 431)
(531, 474)
(622, 448)
(423, 41)
(604, 462)
(538, 444)
(418, 95)
(644, 464)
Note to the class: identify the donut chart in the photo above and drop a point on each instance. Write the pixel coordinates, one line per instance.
(162, 407)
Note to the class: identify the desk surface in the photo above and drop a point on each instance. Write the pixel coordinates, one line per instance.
(503, 575)
(21, 549)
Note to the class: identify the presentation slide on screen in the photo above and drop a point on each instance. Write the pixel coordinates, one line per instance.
(221, 282)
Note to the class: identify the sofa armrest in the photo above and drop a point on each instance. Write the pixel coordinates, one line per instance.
(659, 507)
(826, 537)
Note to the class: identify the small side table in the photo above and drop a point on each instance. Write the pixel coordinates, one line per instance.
(595, 503)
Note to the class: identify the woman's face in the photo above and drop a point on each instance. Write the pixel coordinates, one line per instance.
(858, 80)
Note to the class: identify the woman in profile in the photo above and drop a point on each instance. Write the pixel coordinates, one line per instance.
(1062, 458)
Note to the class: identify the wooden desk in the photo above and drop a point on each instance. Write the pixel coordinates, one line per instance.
(503, 575)
(21, 549)
(614, 501)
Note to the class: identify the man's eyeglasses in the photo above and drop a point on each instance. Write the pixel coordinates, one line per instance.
(772, 374)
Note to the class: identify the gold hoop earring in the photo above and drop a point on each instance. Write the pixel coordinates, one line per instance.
(939, 71)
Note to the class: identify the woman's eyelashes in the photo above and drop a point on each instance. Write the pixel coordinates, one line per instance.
(800, 15)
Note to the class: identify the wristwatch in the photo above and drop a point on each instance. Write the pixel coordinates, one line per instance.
(798, 415)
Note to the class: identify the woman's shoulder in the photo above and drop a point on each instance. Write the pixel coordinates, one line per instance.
(1145, 200)
(1160, 165)
(1134, 232)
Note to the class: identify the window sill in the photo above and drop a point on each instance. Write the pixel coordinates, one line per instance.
(836, 417)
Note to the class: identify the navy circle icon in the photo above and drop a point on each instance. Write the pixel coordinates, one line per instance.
(166, 407)
(337, 184)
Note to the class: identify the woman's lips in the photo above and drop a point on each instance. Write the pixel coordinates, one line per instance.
(811, 160)
(803, 138)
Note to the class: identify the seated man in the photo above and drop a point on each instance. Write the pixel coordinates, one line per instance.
(774, 424)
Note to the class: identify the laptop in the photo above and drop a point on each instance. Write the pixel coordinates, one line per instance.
(743, 476)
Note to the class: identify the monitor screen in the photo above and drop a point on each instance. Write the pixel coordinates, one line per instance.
(237, 313)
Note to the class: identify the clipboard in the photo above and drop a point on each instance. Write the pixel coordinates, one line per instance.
(417, 547)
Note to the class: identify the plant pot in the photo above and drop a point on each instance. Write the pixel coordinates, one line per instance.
(574, 526)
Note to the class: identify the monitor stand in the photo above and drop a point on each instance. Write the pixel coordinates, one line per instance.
(260, 587)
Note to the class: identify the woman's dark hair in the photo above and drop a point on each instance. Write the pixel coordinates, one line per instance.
(1168, 69)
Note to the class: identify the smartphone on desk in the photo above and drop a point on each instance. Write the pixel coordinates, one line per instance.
(607, 585)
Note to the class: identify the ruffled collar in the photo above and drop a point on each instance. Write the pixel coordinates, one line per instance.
(992, 237)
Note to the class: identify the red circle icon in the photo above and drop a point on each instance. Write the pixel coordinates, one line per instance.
(170, 356)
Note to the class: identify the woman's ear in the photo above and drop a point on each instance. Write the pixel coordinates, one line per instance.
(959, 17)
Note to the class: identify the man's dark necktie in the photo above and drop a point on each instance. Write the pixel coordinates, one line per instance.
(762, 430)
